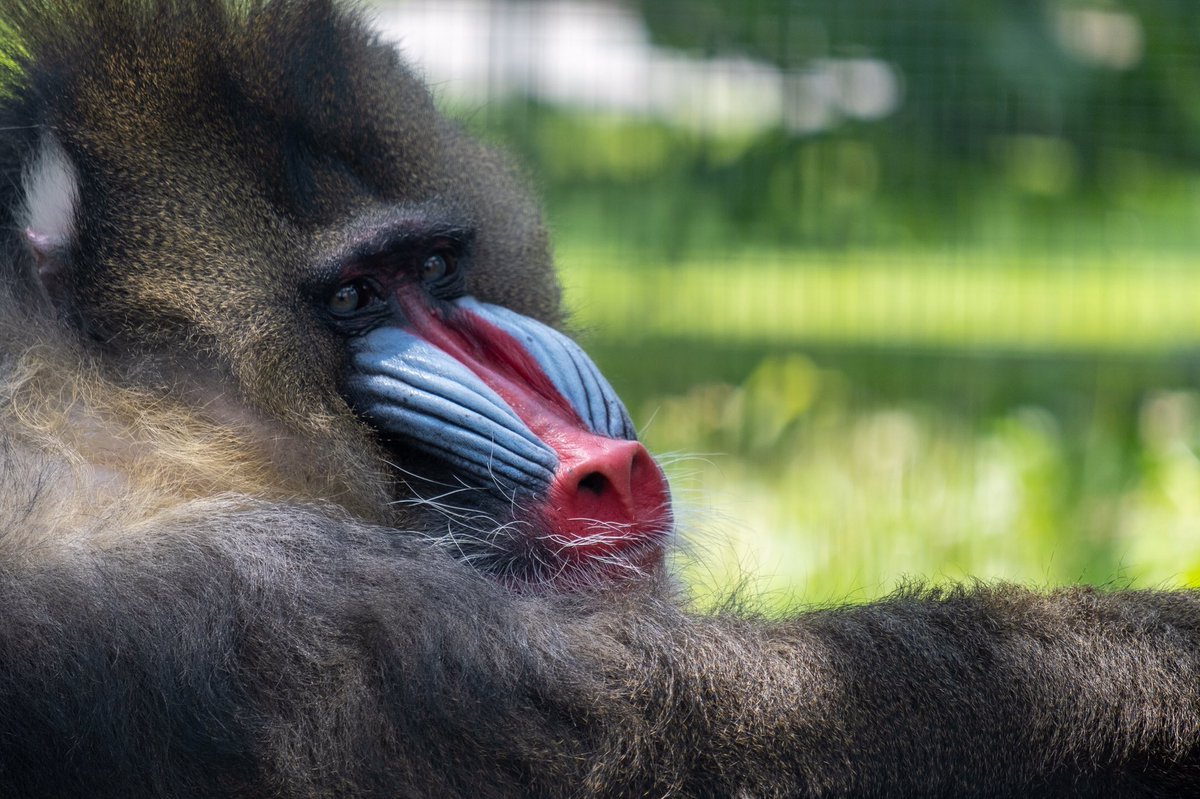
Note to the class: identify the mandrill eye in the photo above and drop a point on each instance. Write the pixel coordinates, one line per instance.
(351, 297)
(442, 272)
(439, 267)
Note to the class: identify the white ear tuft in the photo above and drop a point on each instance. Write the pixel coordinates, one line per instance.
(51, 202)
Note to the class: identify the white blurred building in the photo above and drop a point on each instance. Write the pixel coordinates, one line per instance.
(597, 56)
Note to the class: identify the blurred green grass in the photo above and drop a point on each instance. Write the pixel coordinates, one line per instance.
(900, 297)
(835, 424)
(960, 340)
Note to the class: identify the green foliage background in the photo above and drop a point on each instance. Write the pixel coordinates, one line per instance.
(956, 341)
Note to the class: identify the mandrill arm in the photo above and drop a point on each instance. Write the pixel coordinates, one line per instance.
(983, 692)
(259, 651)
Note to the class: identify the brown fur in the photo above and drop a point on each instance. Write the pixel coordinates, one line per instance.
(209, 589)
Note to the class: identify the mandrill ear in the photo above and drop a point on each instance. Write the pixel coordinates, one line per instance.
(51, 189)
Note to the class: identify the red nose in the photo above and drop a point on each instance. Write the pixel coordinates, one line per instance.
(608, 497)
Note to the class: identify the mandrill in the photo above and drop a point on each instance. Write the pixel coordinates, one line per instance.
(307, 494)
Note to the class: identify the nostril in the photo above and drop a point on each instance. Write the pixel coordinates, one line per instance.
(608, 497)
(594, 483)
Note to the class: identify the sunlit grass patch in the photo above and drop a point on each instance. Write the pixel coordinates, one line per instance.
(832, 502)
(903, 298)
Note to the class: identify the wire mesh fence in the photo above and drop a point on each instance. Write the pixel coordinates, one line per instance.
(911, 287)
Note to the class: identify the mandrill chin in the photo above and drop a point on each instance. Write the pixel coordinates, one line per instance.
(304, 492)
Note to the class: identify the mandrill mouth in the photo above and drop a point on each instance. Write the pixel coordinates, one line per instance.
(477, 398)
(608, 504)
(564, 551)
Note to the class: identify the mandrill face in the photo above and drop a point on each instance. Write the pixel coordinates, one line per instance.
(525, 450)
(283, 223)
